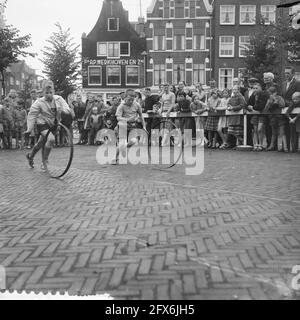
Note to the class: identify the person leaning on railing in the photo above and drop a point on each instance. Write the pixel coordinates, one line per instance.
(223, 125)
(294, 121)
(212, 121)
(199, 107)
(257, 102)
(235, 123)
(277, 121)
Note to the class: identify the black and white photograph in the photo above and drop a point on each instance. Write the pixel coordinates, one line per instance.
(149, 151)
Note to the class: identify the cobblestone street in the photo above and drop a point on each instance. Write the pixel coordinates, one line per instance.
(138, 233)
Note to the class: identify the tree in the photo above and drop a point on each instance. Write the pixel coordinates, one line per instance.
(28, 86)
(12, 45)
(272, 47)
(61, 61)
(263, 53)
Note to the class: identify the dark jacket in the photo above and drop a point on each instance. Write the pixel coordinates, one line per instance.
(184, 106)
(150, 102)
(259, 101)
(287, 93)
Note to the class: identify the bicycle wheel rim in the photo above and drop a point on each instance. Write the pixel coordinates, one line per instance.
(60, 159)
(166, 160)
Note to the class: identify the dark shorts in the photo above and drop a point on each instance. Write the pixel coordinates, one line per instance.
(44, 127)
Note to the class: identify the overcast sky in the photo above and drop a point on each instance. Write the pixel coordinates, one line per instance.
(37, 17)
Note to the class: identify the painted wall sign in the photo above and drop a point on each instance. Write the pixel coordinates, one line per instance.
(103, 62)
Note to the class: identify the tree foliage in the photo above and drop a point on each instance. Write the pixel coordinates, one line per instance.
(61, 63)
(271, 48)
(12, 46)
(28, 86)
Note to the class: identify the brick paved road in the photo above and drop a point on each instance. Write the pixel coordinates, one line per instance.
(139, 233)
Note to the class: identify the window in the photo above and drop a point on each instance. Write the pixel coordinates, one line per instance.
(186, 9)
(113, 24)
(17, 82)
(178, 73)
(102, 49)
(161, 9)
(159, 74)
(169, 70)
(244, 42)
(189, 32)
(225, 78)
(94, 75)
(188, 71)
(169, 37)
(132, 75)
(113, 75)
(268, 13)
(172, 9)
(113, 50)
(199, 73)
(247, 14)
(198, 9)
(124, 49)
(199, 42)
(227, 14)
(189, 36)
(159, 43)
(226, 46)
(179, 42)
(151, 32)
(11, 81)
(169, 32)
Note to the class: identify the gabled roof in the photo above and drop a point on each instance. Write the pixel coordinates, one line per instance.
(208, 6)
(19, 67)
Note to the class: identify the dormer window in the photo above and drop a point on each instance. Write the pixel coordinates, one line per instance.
(113, 24)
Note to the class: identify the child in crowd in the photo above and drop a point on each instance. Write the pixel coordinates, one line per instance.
(8, 123)
(211, 124)
(222, 125)
(277, 121)
(95, 124)
(199, 107)
(1, 126)
(294, 121)
(183, 105)
(20, 121)
(110, 120)
(257, 102)
(235, 123)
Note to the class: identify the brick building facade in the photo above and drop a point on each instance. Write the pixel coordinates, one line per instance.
(179, 41)
(15, 76)
(234, 21)
(113, 52)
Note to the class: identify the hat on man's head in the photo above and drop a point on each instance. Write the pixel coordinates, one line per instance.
(253, 80)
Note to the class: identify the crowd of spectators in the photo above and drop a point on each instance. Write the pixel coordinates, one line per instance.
(272, 124)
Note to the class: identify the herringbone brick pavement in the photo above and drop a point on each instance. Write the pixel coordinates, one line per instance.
(139, 233)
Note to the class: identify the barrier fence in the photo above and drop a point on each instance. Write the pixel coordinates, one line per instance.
(220, 113)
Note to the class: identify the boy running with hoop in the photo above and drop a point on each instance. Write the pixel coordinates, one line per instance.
(46, 112)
